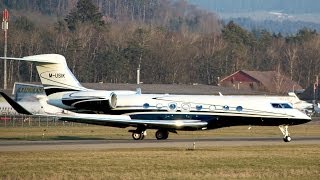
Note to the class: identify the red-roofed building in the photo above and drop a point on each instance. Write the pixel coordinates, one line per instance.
(268, 81)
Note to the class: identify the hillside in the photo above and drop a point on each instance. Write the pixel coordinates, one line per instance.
(171, 42)
(277, 16)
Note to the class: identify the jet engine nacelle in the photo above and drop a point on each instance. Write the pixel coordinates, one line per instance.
(91, 100)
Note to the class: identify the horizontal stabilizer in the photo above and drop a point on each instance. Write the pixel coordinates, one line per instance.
(15, 105)
(41, 58)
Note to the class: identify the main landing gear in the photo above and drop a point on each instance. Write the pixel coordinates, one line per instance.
(162, 134)
(285, 132)
(139, 134)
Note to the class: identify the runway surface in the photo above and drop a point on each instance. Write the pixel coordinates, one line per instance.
(148, 143)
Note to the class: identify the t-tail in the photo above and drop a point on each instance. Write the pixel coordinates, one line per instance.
(64, 90)
(54, 73)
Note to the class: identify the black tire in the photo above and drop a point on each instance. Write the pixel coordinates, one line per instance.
(162, 134)
(287, 139)
(137, 136)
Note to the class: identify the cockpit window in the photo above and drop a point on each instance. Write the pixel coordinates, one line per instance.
(282, 105)
(287, 106)
(275, 105)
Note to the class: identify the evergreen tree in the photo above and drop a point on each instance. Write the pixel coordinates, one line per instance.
(85, 12)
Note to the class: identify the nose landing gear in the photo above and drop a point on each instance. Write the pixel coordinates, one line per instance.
(285, 132)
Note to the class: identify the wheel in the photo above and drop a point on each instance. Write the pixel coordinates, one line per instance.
(162, 134)
(287, 139)
(137, 135)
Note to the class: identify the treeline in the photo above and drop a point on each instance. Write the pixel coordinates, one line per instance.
(176, 47)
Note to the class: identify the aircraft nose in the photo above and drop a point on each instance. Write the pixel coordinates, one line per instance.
(301, 121)
(301, 117)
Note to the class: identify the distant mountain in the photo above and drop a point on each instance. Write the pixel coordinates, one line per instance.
(285, 27)
(285, 16)
(241, 6)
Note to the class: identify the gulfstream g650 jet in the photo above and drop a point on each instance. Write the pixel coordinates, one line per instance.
(166, 113)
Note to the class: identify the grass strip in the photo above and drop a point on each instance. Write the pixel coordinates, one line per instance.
(252, 162)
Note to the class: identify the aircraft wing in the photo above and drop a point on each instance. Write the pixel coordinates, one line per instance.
(15, 105)
(126, 121)
(113, 120)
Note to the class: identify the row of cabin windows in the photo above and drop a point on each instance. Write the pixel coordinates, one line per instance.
(173, 106)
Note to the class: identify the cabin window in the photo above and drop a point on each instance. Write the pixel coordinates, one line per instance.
(185, 107)
(239, 108)
(146, 105)
(212, 108)
(276, 105)
(159, 106)
(198, 107)
(172, 106)
(287, 106)
(226, 108)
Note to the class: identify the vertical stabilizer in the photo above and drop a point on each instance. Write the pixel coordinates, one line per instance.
(54, 73)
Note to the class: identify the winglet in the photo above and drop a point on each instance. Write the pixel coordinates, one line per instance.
(15, 105)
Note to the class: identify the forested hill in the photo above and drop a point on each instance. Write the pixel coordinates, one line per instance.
(170, 41)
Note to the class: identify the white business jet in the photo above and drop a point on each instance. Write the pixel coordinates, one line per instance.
(166, 113)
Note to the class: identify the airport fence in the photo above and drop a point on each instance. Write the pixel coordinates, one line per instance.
(33, 121)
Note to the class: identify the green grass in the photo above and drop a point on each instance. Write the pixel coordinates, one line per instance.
(287, 161)
(62, 133)
(256, 162)
(101, 132)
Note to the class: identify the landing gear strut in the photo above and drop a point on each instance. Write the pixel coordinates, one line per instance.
(162, 134)
(285, 132)
(138, 134)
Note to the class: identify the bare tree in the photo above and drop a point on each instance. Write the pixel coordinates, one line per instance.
(291, 54)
